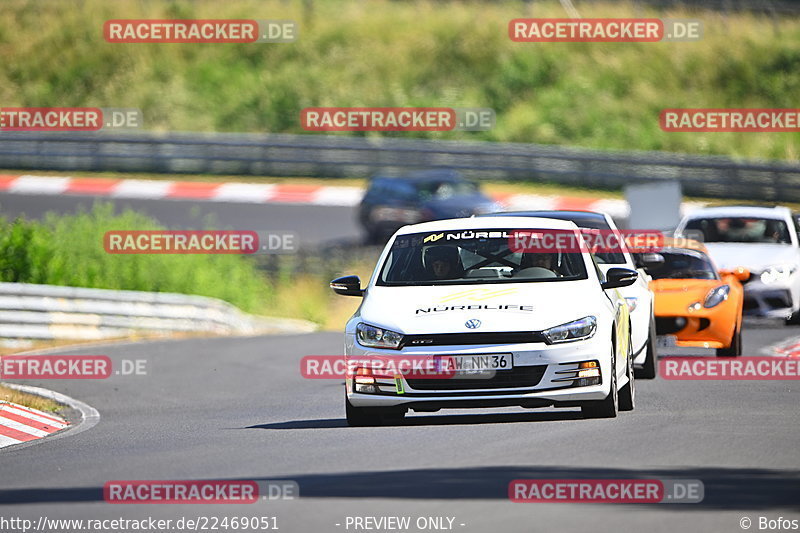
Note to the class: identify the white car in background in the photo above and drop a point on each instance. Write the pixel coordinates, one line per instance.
(523, 329)
(765, 241)
(638, 295)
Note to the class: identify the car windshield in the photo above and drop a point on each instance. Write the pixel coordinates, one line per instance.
(472, 257)
(441, 190)
(611, 256)
(741, 229)
(683, 264)
(593, 229)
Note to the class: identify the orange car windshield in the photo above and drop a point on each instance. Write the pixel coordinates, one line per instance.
(683, 264)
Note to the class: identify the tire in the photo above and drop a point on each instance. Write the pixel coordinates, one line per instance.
(793, 319)
(604, 408)
(649, 369)
(627, 394)
(371, 416)
(735, 349)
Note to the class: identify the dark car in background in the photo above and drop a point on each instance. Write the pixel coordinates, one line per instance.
(393, 202)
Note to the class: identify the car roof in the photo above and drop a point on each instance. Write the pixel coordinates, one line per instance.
(425, 175)
(473, 223)
(574, 216)
(777, 212)
(678, 244)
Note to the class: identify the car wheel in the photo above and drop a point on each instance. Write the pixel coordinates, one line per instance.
(604, 408)
(627, 394)
(735, 349)
(649, 369)
(371, 416)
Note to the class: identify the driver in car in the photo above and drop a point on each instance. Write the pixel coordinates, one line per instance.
(546, 261)
(443, 262)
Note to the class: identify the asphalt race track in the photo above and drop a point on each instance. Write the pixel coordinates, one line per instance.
(238, 408)
(313, 224)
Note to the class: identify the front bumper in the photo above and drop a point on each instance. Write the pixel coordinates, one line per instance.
(772, 301)
(707, 328)
(535, 380)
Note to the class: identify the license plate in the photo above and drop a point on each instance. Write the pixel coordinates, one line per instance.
(474, 364)
(666, 341)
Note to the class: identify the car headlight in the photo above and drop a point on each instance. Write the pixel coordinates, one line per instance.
(632, 300)
(716, 296)
(777, 274)
(374, 337)
(577, 330)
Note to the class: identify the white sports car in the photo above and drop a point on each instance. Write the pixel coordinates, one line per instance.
(518, 328)
(765, 241)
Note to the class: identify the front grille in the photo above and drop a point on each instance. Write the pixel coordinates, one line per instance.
(667, 325)
(779, 300)
(521, 376)
(462, 339)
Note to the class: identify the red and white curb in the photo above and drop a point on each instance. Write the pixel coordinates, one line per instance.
(32, 425)
(281, 193)
(259, 193)
(786, 348)
(20, 424)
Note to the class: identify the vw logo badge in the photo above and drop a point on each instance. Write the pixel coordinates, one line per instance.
(473, 323)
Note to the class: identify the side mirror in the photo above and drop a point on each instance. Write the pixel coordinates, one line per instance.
(648, 260)
(740, 273)
(619, 277)
(347, 286)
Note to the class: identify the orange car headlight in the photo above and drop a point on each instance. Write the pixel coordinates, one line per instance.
(716, 296)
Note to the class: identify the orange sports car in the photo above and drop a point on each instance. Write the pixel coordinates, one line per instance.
(695, 305)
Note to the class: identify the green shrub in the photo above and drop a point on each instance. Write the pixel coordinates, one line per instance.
(68, 250)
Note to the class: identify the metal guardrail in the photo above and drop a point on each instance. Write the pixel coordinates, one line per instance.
(333, 156)
(766, 7)
(29, 311)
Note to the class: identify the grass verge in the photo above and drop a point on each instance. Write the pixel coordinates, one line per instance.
(33, 401)
(68, 250)
(414, 53)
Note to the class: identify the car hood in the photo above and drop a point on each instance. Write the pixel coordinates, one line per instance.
(692, 288)
(754, 256)
(499, 307)
(674, 296)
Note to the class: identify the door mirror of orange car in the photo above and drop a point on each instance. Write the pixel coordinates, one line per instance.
(740, 273)
(619, 277)
(347, 286)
